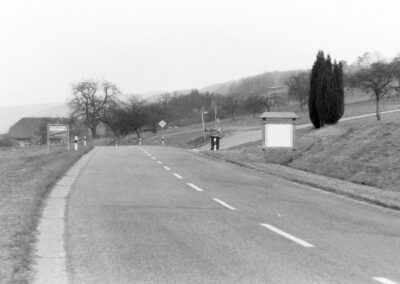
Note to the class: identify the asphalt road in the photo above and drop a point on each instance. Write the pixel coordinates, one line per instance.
(166, 215)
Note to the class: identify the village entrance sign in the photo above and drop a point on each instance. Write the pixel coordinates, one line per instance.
(57, 134)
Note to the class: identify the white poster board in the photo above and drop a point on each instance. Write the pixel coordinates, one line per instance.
(278, 136)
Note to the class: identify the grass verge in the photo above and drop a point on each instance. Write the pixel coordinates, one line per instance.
(27, 176)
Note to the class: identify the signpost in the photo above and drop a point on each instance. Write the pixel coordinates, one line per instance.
(57, 133)
(202, 121)
(76, 143)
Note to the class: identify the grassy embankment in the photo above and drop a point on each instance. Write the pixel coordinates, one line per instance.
(363, 151)
(26, 176)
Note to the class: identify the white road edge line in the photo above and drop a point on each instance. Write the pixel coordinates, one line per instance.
(384, 280)
(168, 169)
(177, 175)
(194, 186)
(159, 162)
(224, 204)
(288, 236)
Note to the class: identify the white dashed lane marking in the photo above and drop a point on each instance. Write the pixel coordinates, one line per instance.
(177, 175)
(154, 158)
(168, 169)
(384, 280)
(288, 236)
(159, 162)
(194, 186)
(224, 204)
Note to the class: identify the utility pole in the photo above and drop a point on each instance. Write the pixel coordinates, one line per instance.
(202, 121)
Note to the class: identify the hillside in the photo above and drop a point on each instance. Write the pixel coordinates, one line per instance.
(266, 79)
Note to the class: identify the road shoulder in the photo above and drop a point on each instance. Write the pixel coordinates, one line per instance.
(50, 256)
(359, 192)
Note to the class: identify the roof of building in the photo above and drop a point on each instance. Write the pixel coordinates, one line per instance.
(27, 127)
(277, 115)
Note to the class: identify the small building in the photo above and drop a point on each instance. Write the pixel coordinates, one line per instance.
(27, 131)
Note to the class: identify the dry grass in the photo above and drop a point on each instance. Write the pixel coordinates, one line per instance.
(26, 177)
(362, 151)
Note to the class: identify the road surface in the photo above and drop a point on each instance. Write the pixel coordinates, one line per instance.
(167, 215)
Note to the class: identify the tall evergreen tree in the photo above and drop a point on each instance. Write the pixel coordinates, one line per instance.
(315, 85)
(326, 100)
(325, 95)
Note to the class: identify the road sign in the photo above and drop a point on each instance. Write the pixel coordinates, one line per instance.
(58, 131)
(58, 128)
(56, 134)
(162, 123)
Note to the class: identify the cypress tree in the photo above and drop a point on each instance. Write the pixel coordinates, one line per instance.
(315, 86)
(323, 101)
(326, 99)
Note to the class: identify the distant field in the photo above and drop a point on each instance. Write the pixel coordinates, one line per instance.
(26, 177)
(363, 151)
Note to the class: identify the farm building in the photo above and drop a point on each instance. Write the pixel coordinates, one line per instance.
(27, 131)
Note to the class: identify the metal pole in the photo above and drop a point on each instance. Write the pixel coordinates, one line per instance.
(48, 144)
(215, 114)
(68, 138)
(204, 129)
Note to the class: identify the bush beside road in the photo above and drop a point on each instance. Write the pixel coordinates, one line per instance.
(27, 176)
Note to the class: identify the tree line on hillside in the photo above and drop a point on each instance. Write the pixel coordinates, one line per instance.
(96, 102)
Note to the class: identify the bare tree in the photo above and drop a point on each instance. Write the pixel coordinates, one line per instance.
(91, 102)
(254, 104)
(232, 100)
(127, 117)
(377, 78)
(395, 67)
(299, 88)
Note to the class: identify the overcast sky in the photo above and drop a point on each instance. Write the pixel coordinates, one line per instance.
(143, 46)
